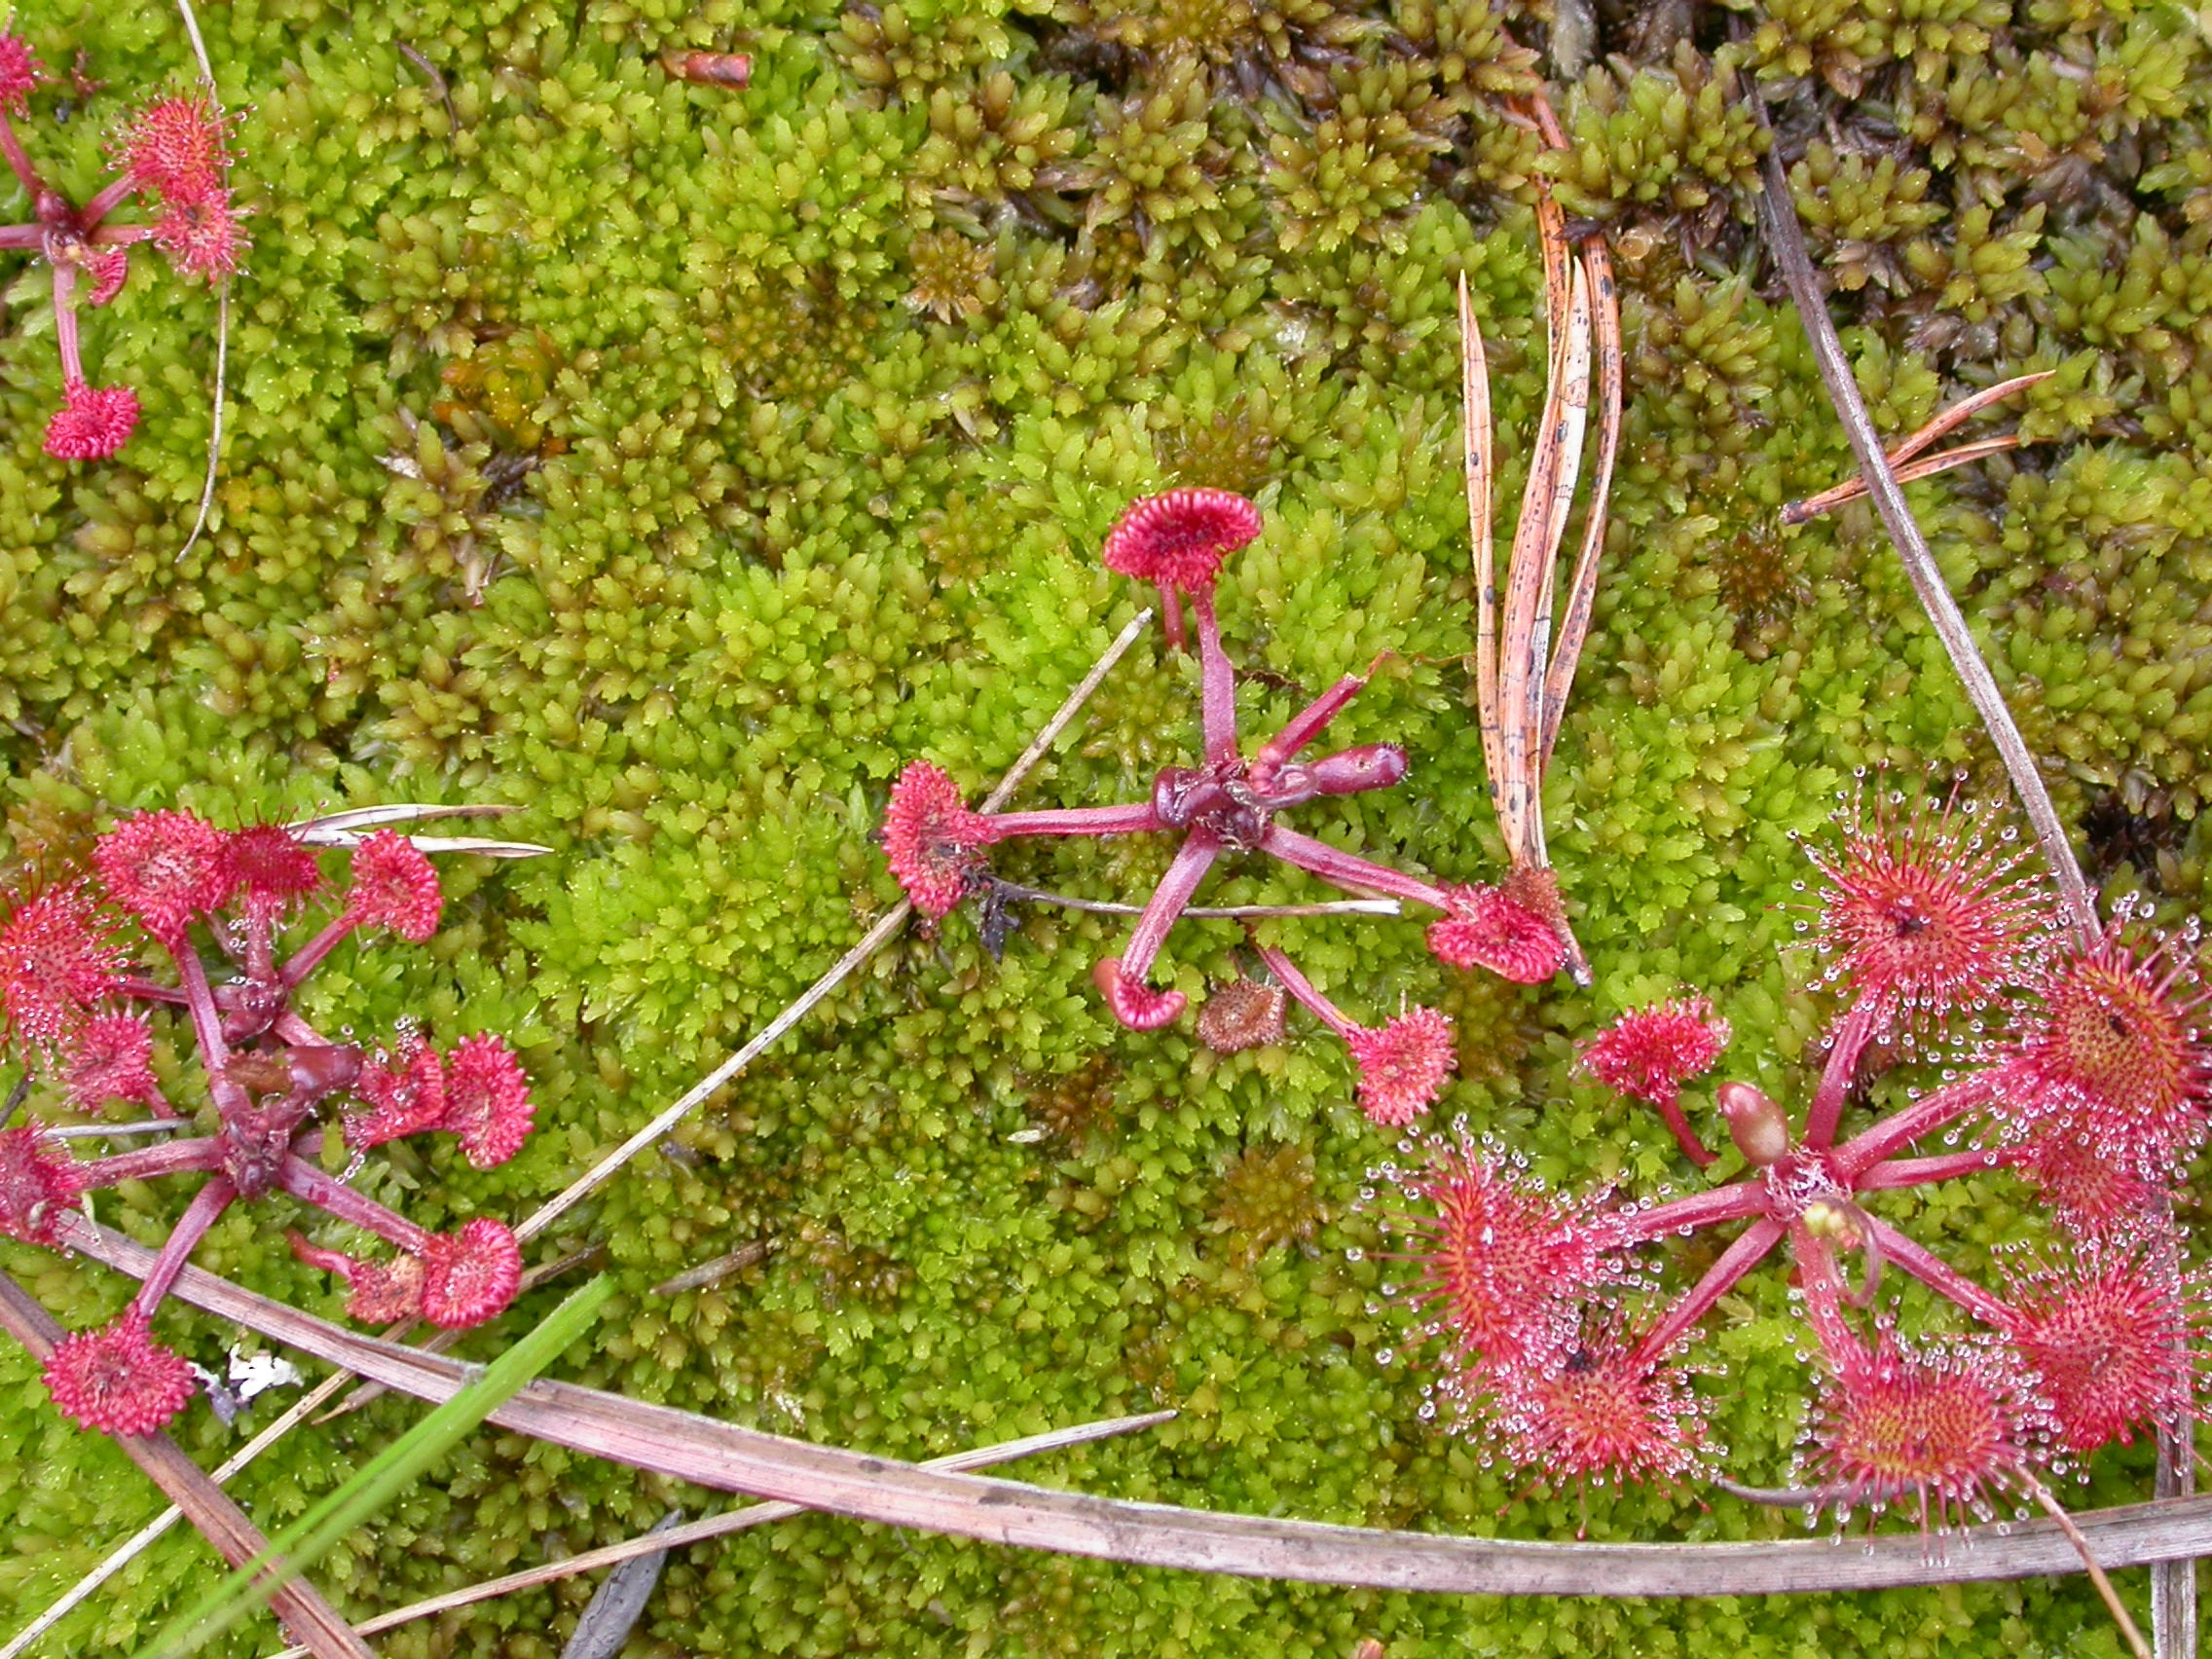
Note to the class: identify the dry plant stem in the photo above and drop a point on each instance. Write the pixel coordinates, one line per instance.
(1787, 241)
(732, 1521)
(1908, 472)
(2057, 1512)
(1479, 464)
(220, 1521)
(1907, 469)
(874, 941)
(1582, 590)
(222, 306)
(854, 1483)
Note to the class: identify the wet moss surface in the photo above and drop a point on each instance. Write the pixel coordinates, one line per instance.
(672, 462)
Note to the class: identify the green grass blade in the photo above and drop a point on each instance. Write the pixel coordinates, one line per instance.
(304, 1542)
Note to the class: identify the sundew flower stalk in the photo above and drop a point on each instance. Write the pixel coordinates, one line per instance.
(1230, 804)
(75, 998)
(2077, 1070)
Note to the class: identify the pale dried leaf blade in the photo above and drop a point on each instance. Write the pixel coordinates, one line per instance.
(1582, 592)
(1926, 466)
(393, 812)
(1949, 421)
(731, 1459)
(1479, 460)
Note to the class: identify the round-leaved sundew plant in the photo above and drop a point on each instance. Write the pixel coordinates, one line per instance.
(2074, 1066)
(1230, 804)
(174, 157)
(73, 996)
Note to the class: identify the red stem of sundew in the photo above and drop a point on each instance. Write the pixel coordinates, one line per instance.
(1737, 1201)
(145, 991)
(1937, 1275)
(1670, 1110)
(150, 1163)
(111, 197)
(1131, 819)
(1171, 616)
(1304, 726)
(1850, 1040)
(1347, 870)
(1217, 685)
(1900, 1128)
(291, 1030)
(1739, 1259)
(208, 1204)
(309, 1185)
(119, 236)
(311, 953)
(65, 323)
(12, 147)
(1192, 861)
(1823, 1289)
(21, 235)
(206, 1018)
(1898, 1172)
(1303, 989)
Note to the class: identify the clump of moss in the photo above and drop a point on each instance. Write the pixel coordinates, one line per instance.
(1679, 137)
(1267, 1199)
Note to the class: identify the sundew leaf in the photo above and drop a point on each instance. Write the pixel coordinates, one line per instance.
(242, 1593)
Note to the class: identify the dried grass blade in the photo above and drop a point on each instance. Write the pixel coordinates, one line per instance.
(1526, 648)
(1582, 592)
(222, 306)
(1851, 488)
(2095, 1570)
(616, 1607)
(1479, 460)
(1949, 421)
(221, 1522)
(734, 1521)
(355, 817)
(877, 1488)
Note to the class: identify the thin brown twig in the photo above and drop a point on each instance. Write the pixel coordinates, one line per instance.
(1811, 507)
(1787, 240)
(222, 306)
(2057, 1512)
(716, 1269)
(1902, 456)
(731, 1521)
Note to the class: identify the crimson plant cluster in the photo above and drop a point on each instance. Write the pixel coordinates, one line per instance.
(2074, 1066)
(173, 157)
(76, 996)
(1229, 805)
